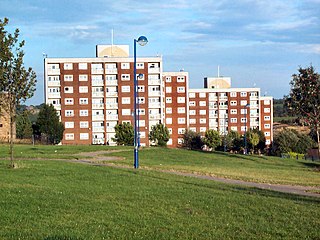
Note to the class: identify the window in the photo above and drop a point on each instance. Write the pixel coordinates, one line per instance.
(68, 89)
(243, 102)
(192, 121)
(125, 88)
(170, 130)
(67, 66)
(192, 112)
(141, 100)
(181, 130)
(267, 126)
(267, 118)
(69, 124)
(142, 123)
(266, 110)
(69, 136)
(83, 66)
(125, 77)
(125, 100)
(233, 111)
(83, 77)
(233, 120)
(125, 65)
(169, 110)
(68, 101)
(202, 112)
(192, 95)
(142, 111)
(168, 120)
(140, 76)
(268, 142)
(168, 79)
(168, 89)
(180, 79)
(140, 88)
(68, 78)
(234, 128)
(202, 103)
(69, 113)
(181, 120)
(84, 124)
(84, 136)
(181, 89)
(192, 103)
(203, 129)
(168, 100)
(202, 95)
(84, 113)
(243, 94)
(266, 102)
(243, 120)
(181, 110)
(181, 100)
(83, 89)
(233, 103)
(126, 112)
(233, 94)
(267, 134)
(203, 121)
(83, 101)
(244, 111)
(140, 65)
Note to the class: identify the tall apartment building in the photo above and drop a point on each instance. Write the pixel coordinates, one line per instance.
(92, 95)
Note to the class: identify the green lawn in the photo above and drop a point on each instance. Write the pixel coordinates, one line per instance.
(60, 200)
(235, 166)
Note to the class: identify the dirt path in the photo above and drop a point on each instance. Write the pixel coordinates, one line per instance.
(96, 159)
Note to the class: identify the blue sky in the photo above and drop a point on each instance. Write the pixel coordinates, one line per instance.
(256, 43)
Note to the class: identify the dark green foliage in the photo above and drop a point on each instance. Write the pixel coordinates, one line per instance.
(23, 125)
(192, 140)
(304, 98)
(212, 139)
(233, 141)
(49, 124)
(159, 134)
(124, 134)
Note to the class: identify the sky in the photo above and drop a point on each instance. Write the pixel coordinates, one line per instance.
(258, 43)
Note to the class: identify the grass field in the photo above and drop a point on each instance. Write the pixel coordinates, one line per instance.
(59, 200)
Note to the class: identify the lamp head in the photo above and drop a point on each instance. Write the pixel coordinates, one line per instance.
(142, 40)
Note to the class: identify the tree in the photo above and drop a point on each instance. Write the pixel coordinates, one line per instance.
(49, 124)
(23, 125)
(192, 140)
(233, 141)
(124, 134)
(254, 139)
(212, 139)
(304, 98)
(17, 83)
(159, 134)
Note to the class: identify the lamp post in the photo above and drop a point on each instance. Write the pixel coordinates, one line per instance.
(245, 127)
(142, 40)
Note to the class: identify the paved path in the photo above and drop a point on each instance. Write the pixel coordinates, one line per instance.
(300, 190)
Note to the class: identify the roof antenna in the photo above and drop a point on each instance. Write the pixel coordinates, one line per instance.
(112, 42)
(218, 71)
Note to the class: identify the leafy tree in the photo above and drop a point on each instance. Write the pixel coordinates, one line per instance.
(17, 83)
(23, 125)
(304, 98)
(192, 140)
(254, 139)
(49, 124)
(212, 139)
(124, 134)
(233, 141)
(159, 134)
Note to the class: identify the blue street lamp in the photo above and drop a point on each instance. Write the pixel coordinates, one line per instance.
(142, 40)
(245, 128)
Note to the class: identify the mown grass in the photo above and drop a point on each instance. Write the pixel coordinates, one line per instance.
(60, 200)
(234, 166)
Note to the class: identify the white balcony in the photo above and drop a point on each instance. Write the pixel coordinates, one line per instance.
(213, 115)
(213, 106)
(254, 114)
(53, 83)
(254, 106)
(111, 71)
(57, 106)
(154, 70)
(154, 82)
(215, 98)
(215, 125)
(98, 94)
(54, 95)
(154, 116)
(155, 105)
(97, 71)
(252, 98)
(111, 82)
(111, 129)
(53, 71)
(97, 106)
(155, 94)
(97, 83)
(112, 117)
(223, 107)
(111, 94)
(98, 141)
(97, 117)
(111, 105)
(98, 129)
